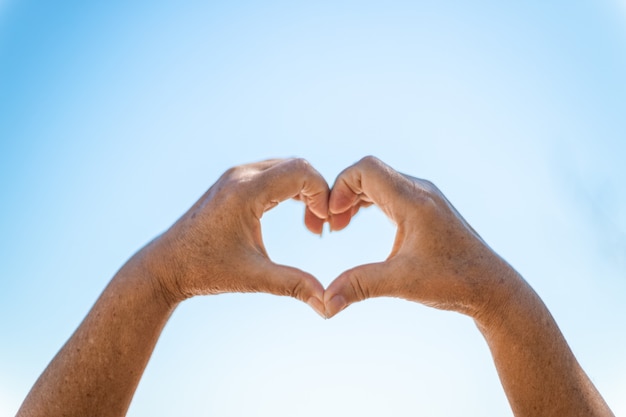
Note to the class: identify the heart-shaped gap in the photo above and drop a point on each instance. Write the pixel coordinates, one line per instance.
(368, 238)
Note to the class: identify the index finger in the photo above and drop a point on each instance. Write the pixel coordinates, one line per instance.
(368, 181)
(293, 178)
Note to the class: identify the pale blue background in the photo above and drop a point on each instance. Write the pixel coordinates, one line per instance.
(115, 116)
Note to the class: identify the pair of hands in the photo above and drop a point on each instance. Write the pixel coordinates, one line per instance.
(216, 247)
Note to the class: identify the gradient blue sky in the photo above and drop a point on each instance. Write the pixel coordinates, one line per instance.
(115, 116)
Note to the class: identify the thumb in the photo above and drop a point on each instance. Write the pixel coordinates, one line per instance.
(278, 279)
(356, 284)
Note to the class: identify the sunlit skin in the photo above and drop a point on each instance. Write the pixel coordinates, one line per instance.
(217, 247)
(440, 261)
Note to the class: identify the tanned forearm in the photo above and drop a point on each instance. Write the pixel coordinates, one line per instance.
(216, 247)
(539, 373)
(439, 260)
(97, 371)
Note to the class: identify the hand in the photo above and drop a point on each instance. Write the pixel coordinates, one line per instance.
(217, 247)
(437, 259)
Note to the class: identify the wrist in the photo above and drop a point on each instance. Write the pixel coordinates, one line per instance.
(509, 297)
(163, 271)
(491, 285)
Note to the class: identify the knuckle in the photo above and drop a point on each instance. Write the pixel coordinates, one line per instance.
(231, 173)
(430, 188)
(420, 192)
(299, 164)
(296, 289)
(232, 181)
(370, 161)
(431, 194)
(360, 291)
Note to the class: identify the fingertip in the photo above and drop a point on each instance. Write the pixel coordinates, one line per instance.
(314, 190)
(313, 223)
(340, 220)
(356, 284)
(310, 287)
(341, 198)
(334, 297)
(318, 203)
(336, 304)
(318, 306)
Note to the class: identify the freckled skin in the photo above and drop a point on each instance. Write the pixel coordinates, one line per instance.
(216, 247)
(440, 261)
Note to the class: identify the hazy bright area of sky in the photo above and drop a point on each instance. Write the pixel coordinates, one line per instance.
(116, 116)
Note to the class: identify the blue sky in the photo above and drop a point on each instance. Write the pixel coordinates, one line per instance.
(115, 117)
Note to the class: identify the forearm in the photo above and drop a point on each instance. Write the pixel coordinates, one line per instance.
(539, 373)
(97, 371)
(216, 247)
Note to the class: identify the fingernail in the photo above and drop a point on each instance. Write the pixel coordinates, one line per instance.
(318, 306)
(335, 305)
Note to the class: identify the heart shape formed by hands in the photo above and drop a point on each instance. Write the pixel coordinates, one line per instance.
(436, 259)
